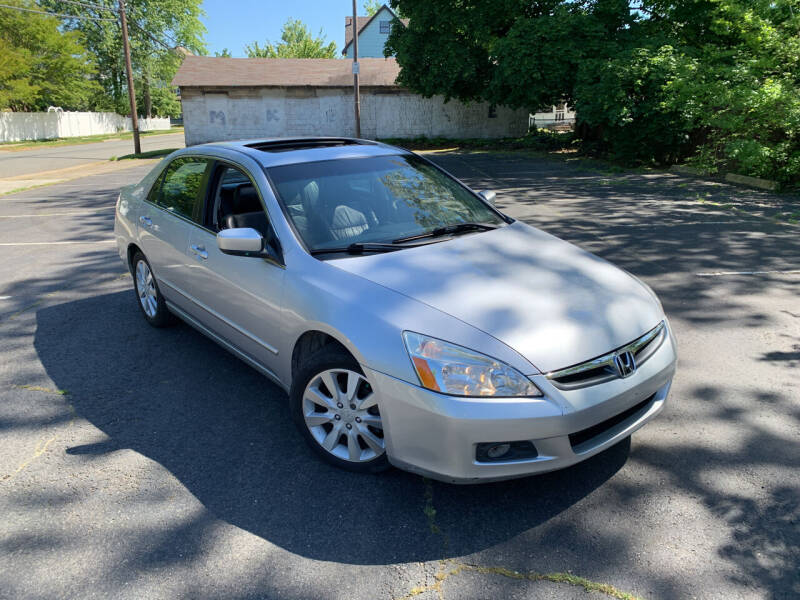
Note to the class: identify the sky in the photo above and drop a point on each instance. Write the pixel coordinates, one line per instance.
(233, 23)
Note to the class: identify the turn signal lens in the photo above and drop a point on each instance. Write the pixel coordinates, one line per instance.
(455, 370)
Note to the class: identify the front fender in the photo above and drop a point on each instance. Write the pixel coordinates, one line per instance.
(369, 319)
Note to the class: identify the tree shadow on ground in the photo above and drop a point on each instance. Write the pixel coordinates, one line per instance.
(224, 431)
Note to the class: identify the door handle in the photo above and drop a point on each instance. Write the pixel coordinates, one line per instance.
(146, 221)
(199, 251)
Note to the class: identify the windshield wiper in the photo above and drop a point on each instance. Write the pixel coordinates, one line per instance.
(361, 247)
(454, 229)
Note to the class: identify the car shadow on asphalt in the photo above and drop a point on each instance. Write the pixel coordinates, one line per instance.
(224, 432)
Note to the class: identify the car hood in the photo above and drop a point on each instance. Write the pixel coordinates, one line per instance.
(553, 303)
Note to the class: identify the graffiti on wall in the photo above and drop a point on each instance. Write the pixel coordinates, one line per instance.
(216, 116)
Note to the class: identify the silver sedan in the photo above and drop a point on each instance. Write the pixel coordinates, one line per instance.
(410, 322)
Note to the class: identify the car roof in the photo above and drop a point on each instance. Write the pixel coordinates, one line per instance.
(273, 152)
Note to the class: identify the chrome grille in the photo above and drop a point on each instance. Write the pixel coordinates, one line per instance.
(602, 368)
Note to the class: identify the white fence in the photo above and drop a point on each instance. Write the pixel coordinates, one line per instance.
(15, 127)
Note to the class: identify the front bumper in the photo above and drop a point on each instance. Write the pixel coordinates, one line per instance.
(437, 435)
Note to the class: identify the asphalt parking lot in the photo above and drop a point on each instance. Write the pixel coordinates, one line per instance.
(143, 463)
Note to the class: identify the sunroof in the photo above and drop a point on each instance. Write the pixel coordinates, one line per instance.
(302, 144)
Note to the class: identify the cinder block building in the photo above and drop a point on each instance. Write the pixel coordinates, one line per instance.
(241, 98)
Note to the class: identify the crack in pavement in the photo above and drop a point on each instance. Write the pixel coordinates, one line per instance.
(449, 567)
(41, 446)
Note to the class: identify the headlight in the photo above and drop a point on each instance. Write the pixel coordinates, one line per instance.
(456, 370)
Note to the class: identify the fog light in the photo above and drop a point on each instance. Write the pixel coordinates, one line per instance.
(505, 451)
(498, 450)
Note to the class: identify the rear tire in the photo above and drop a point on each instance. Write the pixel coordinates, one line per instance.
(336, 410)
(148, 296)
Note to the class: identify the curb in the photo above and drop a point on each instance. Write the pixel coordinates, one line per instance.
(734, 178)
(764, 184)
(19, 183)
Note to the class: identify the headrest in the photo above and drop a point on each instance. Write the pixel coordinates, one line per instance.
(246, 199)
(311, 192)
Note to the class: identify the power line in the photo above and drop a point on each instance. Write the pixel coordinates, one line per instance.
(52, 14)
(91, 5)
(131, 21)
(152, 37)
(90, 18)
(164, 33)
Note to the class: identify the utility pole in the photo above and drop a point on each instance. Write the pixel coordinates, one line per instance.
(355, 71)
(137, 148)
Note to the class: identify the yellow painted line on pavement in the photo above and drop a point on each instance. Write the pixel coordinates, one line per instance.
(62, 214)
(56, 243)
(55, 173)
(19, 183)
(438, 151)
(40, 449)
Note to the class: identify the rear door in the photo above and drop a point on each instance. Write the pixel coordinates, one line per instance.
(174, 207)
(239, 297)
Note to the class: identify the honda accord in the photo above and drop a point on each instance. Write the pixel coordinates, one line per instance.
(409, 320)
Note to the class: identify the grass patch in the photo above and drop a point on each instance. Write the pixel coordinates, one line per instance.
(148, 154)
(30, 187)
(87, 139)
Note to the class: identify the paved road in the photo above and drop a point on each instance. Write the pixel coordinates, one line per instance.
(48, 158)
(150, 463)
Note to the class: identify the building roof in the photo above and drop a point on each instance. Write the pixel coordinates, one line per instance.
(348, 28)
(213, 71)
(362, 22)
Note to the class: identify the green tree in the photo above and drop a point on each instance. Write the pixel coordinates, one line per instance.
(225, 53)
(40, 65)
(296, 42)
(372, 6)
(653, 81)
(158, 30)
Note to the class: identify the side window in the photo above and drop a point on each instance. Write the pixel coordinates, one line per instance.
(236, 202)
(182, 188)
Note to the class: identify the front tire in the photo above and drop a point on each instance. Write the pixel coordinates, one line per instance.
(149, 297)
(336, 411)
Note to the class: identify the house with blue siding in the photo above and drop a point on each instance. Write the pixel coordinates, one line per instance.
(372, 33)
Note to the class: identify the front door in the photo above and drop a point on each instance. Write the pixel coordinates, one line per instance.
(239, 297)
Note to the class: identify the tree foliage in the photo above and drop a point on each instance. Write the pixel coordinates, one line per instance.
(372, 6)
(296, 42)
(40, 65)
(653, 81)
(156, 29)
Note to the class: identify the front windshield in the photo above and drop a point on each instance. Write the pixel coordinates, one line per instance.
(336, 203)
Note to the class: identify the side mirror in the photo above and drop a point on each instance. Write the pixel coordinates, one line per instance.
(489, 196)
(241, 241)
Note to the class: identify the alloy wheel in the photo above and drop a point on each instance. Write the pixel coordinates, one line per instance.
(341, 412)
(146, 289)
